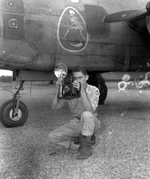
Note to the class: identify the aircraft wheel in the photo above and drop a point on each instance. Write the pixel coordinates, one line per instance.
(98, 81)
(6, 111)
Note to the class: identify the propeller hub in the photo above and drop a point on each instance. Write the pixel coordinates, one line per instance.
(148, 7)
(148, 23)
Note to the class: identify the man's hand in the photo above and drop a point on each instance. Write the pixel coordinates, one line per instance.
(76, 84)
(59, 83)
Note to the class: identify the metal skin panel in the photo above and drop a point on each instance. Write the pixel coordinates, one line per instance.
(128, 4)
(91, 2)
(13, 27)
(41, 34)
(96, 63)
(73, 33)
(0, 26)
(15, 6)
(17, 52)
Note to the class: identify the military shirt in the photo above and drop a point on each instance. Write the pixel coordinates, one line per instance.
(76, 104)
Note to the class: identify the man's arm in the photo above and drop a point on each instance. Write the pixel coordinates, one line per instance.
(56, 103)
(86, 103)
(55, 100)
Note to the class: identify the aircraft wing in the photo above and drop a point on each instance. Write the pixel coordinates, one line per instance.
(129, 15)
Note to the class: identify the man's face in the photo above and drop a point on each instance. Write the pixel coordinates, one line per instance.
(80, 77)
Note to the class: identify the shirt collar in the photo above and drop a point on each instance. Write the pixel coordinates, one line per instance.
(87, 88)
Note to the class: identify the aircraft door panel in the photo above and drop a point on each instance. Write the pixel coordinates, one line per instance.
(17, 52)
(13, 27)
(13, 47)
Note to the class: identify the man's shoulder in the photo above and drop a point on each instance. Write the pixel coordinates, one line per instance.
(92, 88)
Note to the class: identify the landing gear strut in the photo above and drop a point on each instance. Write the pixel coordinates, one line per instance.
(14, 113)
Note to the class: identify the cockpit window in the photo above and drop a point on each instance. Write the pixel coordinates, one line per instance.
(13, 23)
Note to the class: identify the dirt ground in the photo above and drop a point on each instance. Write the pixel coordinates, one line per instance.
(122, 149)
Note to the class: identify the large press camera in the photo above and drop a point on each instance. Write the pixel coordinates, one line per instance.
(66, 90)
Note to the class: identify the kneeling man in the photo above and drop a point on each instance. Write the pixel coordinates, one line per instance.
(85, 123)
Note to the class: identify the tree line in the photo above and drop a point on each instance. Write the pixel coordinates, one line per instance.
(6, 79)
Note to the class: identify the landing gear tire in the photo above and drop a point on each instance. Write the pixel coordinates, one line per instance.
(103, 94)
(6, 114)
(98, 81)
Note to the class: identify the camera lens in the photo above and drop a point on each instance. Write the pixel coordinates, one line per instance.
(66, 89)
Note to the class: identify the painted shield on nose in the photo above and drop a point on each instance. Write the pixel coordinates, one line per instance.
(72, 33)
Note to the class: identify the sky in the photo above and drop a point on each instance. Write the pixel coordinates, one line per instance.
(5, 73)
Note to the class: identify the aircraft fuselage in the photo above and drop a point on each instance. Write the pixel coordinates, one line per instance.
(36, 35)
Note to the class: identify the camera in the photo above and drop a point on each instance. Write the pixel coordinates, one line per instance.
(68, 91)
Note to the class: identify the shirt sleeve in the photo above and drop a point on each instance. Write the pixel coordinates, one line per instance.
(94, 98)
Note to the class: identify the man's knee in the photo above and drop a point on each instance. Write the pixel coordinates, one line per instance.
(52, 137)
(89, 122)
(87, 116)
(59, 140)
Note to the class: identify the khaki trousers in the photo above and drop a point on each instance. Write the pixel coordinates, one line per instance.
(87, 126)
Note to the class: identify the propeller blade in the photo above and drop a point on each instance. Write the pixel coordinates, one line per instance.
(128, 15)
(125, 16)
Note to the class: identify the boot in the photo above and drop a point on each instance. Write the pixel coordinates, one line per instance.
(80, 141)
(81, 144)
(76, 140)
(85, 148)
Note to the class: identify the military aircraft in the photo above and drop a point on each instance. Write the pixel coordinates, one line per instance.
(103, 35)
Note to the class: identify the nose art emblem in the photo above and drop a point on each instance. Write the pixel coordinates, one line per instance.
(71, 32)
